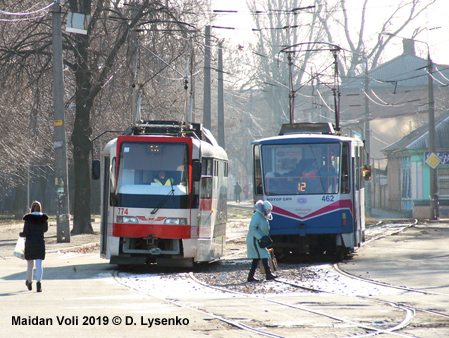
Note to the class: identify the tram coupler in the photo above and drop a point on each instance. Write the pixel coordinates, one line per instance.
(150, 239)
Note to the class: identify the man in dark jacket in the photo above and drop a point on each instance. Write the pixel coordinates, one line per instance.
(237, 192)
(33, 230)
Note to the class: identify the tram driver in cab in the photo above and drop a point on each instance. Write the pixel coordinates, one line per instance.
(162, 179)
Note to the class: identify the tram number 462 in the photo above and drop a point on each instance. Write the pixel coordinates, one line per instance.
(327, 198)
(122, 211)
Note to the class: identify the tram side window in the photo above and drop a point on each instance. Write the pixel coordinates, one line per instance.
(206, 179)
(226, 169)
(345, 172)
(207, 168)
(257, 172)
(215, 168)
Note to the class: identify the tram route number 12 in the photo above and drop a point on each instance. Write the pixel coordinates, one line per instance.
(302, 186)
(122, 211)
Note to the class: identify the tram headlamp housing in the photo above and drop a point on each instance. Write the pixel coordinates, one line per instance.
(176, 221)
(127, 219)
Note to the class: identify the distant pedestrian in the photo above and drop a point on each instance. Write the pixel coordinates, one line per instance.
(237, 192)
(259, 227)
(33, 230)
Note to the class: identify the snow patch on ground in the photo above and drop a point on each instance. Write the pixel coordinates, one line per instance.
(329, 280)
(170, 286)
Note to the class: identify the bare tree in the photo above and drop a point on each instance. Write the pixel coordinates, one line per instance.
(281, 24)
(359, 46)
(100, 70)
(305, 25)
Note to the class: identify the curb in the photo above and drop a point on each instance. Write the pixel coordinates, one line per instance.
(73, 248)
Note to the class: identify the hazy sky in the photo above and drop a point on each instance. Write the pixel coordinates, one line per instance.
(435, 19)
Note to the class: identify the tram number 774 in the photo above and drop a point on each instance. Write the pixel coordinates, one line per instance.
(122, 211)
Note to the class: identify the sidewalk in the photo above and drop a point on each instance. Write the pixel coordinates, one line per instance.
(388, 214)
(242, 204)
(9, 233)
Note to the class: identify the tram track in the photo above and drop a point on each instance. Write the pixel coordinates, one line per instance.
(373, 330)
(192, 308)
(404, 319)
(407, 320)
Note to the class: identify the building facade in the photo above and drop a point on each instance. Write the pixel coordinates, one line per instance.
(408, 173)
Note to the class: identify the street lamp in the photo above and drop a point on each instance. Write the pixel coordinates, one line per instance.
(434, 205)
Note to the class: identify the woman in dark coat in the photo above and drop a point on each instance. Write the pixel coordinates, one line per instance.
(33, 230)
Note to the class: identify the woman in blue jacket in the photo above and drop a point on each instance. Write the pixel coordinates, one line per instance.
(33, 230)
(259, 227)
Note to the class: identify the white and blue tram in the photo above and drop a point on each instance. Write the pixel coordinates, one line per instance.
(174, 221)
(314, 179)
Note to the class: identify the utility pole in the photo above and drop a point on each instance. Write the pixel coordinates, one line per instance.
(207, 123)
(61, 184)
(367, 137)
(137, 87)
(336, 91)
(221, 134)
(291, 96)
(434, 203)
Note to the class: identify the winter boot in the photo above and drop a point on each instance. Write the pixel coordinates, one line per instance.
(268, 274)
(251, 276)
(39, 287)
(29, 285)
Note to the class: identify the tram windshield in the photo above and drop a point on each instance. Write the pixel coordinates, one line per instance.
(151, 173)
(301, 169)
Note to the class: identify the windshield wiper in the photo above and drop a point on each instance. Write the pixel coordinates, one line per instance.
(172, 192)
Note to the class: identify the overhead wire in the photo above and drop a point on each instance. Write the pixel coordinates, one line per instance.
(284, 27)
(324, 102)
(435, 79)
(382, 103)
(291, 11)
(439, 72)
(26, 13)
(25, 19)
(386, 104)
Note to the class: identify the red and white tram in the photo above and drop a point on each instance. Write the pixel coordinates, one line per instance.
(164, 196)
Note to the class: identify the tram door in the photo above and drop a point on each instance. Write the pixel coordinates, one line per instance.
(359, 195)
(206, 207)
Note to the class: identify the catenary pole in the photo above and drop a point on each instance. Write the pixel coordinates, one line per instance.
(61, 184)
(221, 134)
(207, 91)
(434, 203)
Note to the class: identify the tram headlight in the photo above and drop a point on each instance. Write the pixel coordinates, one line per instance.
(176, 221)
(126, 219)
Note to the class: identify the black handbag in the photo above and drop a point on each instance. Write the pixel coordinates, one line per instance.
(265, 241)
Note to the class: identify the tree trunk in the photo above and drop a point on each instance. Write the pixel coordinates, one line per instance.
(81, 140)
(81, 151)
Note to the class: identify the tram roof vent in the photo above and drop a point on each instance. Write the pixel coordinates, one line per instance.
(307, 128)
